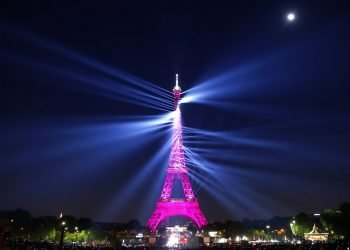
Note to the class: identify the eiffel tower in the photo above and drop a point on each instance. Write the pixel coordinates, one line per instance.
(188, 205)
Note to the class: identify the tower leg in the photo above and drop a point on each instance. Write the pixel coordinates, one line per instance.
(166, 209)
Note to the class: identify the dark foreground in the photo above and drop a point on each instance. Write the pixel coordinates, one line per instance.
(336, 245)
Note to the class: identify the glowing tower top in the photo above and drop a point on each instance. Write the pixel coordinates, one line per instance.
(176, 91)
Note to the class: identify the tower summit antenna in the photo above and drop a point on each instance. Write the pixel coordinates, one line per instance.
(177, 87)
(177, 81)
(176, 90)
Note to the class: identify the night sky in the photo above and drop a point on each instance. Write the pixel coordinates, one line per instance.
(276, 101)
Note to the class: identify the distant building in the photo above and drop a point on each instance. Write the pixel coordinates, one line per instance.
(315, 235)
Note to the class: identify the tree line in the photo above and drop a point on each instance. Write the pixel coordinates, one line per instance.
(20, 225)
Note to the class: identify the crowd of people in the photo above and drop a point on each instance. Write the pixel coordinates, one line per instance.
(334, 245)
(29, 245)
(307, 245)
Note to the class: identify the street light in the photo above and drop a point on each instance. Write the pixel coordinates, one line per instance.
(63, 223)
(268, 231)
(292, 224)
(317, 217)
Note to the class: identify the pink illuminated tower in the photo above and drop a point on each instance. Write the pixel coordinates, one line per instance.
(167, 206)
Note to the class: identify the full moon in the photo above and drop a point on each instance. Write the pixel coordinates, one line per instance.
(290, 17)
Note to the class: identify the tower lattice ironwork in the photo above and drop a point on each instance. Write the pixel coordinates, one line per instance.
(167, 206)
